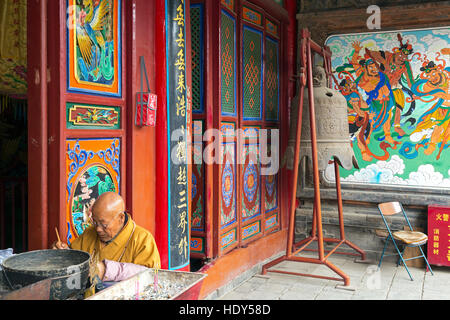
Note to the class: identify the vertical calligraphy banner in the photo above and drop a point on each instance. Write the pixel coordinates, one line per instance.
(178, 109)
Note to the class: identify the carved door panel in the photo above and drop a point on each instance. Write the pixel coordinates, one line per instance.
(92, 109)
(259, 116)
(228, 226)
(245, 85)
(199, 243)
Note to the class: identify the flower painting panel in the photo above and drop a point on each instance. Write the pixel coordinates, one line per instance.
(397, 89)
(94, 181)
(92, 168)
(228, 185)
(94, 47)
(251, 179)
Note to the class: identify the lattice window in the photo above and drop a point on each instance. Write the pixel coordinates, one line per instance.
(197, 51)
(228, 64)
(252, 73)
(272, 81)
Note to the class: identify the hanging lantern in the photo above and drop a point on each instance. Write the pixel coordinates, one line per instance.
(333, 137)
(146, 102)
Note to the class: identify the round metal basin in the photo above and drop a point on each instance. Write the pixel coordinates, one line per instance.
(71, 267)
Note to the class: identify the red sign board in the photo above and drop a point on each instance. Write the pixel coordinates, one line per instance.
(439, 235)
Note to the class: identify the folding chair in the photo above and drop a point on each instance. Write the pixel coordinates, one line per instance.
(408, 238)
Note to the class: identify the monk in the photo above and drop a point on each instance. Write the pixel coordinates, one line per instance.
(121, 247)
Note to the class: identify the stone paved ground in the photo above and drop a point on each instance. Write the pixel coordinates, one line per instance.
(369, 283)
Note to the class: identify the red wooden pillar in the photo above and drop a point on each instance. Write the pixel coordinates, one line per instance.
(173, 194)
(37, 123)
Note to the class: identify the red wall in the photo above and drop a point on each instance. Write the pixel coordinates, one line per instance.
(140, 172)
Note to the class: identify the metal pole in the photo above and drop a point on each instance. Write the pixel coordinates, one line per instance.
(339, 198)
(295, 177)
(312, 119)
(296, 161)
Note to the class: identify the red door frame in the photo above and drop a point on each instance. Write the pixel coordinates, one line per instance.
(37, 124)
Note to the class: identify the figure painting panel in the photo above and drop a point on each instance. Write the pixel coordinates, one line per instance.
(94, 47)
(397, 89)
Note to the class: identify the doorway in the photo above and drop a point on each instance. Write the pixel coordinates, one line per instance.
(13, 126)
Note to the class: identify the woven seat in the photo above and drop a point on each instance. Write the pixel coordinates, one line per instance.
(411, 237)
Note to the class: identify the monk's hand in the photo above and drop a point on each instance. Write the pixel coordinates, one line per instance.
(59, 245)
(101, 269)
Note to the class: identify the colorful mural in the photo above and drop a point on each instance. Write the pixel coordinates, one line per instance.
(227, 239)
(92, 168)
(251, 204)
(82, 116)
(197, 189)
(272, 82)
(270, 191)
(197, 51)
(197, 244)
(94, 46)
(227, 64)
(397, 90)
(94, 181)
(252, 78)
(13, 47)
(229, 4)
(228, 185)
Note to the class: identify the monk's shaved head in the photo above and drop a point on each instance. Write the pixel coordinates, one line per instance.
(108, 214)
(109, 204)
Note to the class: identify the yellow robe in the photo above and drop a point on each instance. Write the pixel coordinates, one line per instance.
(133, 244)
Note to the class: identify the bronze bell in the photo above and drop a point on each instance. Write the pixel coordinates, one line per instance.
(333, 137)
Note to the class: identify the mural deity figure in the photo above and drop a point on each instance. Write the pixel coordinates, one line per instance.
(394, 65)
(434, 84)
(358, 116)
(377, 87)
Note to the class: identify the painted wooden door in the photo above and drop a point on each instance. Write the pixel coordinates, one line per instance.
(259, 114)
(89, 107)
(199, 236)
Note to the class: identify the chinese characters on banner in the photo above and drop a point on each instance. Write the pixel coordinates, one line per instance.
(439, 235)
(178, 105)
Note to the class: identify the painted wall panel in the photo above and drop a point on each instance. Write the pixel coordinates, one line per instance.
(94, 47)
(93, 166)
(397, 90)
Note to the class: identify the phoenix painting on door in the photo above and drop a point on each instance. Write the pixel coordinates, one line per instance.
(94, 47)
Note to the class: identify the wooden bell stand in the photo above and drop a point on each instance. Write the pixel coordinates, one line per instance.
(307, 48)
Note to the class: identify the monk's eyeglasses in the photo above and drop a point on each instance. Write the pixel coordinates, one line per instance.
(105, 226)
